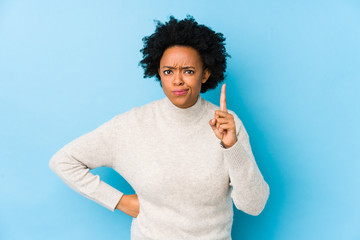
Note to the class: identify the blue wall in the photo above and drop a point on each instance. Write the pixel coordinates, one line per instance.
(294, 77)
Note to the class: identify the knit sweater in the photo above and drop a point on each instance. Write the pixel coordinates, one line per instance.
(184, 178)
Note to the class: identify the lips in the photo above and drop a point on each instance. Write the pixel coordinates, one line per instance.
(180, 92)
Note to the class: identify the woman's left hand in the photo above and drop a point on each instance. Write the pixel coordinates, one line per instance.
(223, 123)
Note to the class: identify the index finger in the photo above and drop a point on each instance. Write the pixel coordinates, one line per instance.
(223, 99)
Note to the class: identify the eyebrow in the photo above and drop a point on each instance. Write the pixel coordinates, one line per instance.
(186, 67)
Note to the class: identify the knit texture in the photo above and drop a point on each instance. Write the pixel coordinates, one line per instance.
(185, 179)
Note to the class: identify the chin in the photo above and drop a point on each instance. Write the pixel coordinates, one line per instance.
(177, 103)
(180, 101)
(184, 104)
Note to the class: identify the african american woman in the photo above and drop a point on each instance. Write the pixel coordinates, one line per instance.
(187, 159)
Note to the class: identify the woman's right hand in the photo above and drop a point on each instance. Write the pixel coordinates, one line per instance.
(129, 204)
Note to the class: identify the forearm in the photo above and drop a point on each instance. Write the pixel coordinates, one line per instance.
(250, 192)
(79, 178)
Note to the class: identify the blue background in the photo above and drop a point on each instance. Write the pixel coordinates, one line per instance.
(66, 67)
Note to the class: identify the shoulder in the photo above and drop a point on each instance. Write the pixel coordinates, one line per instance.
(143, 112)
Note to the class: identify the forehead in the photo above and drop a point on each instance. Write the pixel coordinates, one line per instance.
(180, 56)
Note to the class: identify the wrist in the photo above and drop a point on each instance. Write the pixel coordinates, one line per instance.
(225, 145)
(119, 205)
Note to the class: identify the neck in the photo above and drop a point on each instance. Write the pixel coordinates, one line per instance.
(184, 116)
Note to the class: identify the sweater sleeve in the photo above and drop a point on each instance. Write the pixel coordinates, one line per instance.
(73, 162)
(250, 192)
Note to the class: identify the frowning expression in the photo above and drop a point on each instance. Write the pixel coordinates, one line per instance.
(182, 73)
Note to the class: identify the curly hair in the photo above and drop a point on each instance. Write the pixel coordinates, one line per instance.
(187, 32)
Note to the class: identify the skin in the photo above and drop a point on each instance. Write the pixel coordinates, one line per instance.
(129, 204)
(223, 123)
(181, 68)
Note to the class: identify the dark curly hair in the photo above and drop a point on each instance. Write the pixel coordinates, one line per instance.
(187, 32)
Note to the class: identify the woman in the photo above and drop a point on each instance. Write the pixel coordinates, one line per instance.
(186, 159)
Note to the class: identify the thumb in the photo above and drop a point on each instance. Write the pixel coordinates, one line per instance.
(212, 123)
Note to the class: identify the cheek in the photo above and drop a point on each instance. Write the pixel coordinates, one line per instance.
(165, 83)
(197, 82)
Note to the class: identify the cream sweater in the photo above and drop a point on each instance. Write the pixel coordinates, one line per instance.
(185, 180)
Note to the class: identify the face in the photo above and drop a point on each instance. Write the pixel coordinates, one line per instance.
(181, 72)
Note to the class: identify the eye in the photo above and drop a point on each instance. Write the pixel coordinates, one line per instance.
(189, 71)
(166, 72)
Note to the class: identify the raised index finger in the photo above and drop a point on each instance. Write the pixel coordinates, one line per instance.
(223, 99)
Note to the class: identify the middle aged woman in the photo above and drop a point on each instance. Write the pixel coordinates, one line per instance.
(186, 158)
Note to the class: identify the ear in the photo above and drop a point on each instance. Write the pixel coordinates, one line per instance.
(206, 75)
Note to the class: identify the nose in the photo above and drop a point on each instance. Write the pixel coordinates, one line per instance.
(178, 79)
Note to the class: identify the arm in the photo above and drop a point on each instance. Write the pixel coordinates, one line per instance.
(250, 192)
(249, 189)
(73, 162)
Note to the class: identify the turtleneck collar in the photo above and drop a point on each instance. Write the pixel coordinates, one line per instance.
(184, 116)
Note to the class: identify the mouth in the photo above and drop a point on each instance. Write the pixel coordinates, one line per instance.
(180, 92)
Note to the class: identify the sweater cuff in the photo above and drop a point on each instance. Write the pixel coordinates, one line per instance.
(235, 155)
(109, 196)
